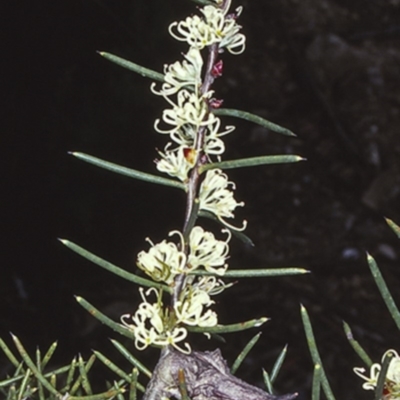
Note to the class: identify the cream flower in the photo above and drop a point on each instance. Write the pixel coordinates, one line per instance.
(392, 381)
(182, 74)
(216, 197)
(211, 285)
(189, 109)
(212, 143)
(371, 381)
(185, 136)
(177, 162)
(189, 311)
(225, 29)
(208, 252)
(214, 27)
(162, 262)
(150, 325)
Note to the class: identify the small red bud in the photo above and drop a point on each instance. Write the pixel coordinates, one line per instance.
(190, 155)
(217, 69)
(215, 103)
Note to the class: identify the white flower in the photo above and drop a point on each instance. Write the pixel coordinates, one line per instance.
(177, 162)
(162, 262)
(185, 136)
(208, 252)
(182, 74)
(215, 27)
(150, 325)
(225, 29)
(371, 381)
(211, 285)
(190, 310)
(193, 30)
(393, 373)
(212, 143)
(189, 109)
(216, 197)
(392, 382)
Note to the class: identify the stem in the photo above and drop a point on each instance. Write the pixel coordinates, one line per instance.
(194, 178)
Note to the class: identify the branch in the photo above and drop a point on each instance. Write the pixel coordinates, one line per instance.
(207, 376)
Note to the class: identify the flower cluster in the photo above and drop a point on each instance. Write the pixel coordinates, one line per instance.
(195, 139)
(191, 104)
(391, 389)
(152, 324)
(164, 261)
(215, 27)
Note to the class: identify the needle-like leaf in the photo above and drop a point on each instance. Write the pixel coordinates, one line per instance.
(256, 273)
(278, 364)
(385, 293)
(112, 268)
(355, 345)
(243, 354)
(103, 318)
(146, 72)
(254, 118)
(253, 162)
(395, 228)
(312, 345)
(316, 383)
(241, 326)
(131, 173)
(133, 360)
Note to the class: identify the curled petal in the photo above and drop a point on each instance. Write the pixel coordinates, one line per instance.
(216, 197)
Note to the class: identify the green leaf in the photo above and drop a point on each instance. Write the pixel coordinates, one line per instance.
(39, 367)
(356, 346)
(241, 326)
(395, 228)
(255, 273)
(104, 319)
(254, 118)
(312, 345)
(267, 382)
(252, 162)
(133, 385)
(113, 268)
(24, 384)
(146, 72)
(78, 381)
(382, 377)
(83, 373)
(131, 173)
(12, 393)
(28, 361)
(70, 375)
(49, 354)
(278, 364)
(109, 364)
(110, 394)
(243, 354)
(387, 297)
(204, 2)
(133, 360)
(8, 353)
(316, 383)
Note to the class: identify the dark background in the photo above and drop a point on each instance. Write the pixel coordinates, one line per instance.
(327, 69)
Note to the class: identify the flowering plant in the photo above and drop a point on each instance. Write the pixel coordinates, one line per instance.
(191, 269)
(186, 270)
